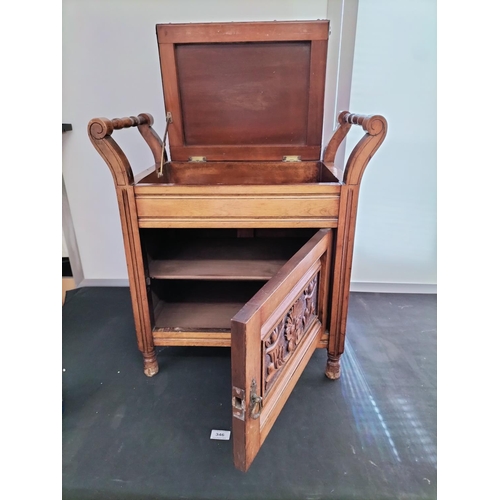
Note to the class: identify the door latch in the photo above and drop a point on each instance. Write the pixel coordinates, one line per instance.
(255, 401)
(254, 405)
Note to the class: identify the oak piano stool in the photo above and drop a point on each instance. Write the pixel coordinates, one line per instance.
(243, 238)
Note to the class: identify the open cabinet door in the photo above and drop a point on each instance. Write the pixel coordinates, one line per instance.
(272, 338)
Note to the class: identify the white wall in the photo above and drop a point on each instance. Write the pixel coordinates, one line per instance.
(394, 74)
(64, 246)
(111, 68)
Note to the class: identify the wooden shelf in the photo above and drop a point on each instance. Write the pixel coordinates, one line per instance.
(196, 316)
(200, 305)
(224, 259)
(215, 269)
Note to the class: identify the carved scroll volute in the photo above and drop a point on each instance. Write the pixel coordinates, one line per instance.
(100, 130)
(376, 129)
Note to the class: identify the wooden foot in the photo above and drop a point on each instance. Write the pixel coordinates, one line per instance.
(333, 367)
(150, 363)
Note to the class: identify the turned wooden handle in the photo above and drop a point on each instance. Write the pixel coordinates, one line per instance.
(101, 127)
(372, 125)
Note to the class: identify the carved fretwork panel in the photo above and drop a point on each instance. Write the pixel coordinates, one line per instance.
(285, 337)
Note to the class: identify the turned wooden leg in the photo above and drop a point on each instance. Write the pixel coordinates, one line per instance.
(341, 279)
(137, 280)
(376, 129)
(100, 130)
(150, 363)
(333, 367)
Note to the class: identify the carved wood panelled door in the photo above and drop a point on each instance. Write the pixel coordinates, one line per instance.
(273, 337)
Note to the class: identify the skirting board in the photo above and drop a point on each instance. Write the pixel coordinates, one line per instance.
(363, 286)
(356, 286)
(103, 282)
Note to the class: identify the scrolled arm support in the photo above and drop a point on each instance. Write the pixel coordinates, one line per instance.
(375, 127)
(100, 131)
(337, 138)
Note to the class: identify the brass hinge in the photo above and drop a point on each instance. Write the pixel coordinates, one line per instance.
(197, 159)
(291, 158)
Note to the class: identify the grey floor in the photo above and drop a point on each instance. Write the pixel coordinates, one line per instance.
(369, 435)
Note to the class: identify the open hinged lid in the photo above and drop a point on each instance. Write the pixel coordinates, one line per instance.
(244, 91)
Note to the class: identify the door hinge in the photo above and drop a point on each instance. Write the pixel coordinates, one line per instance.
(197, 159)
(291, 158)
(254, 405)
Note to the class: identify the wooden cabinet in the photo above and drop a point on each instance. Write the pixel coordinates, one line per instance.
(244, 237)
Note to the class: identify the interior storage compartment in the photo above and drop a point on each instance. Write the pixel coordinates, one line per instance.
(242, 173)
(220, 254)
(199, 305)
(200, 278)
